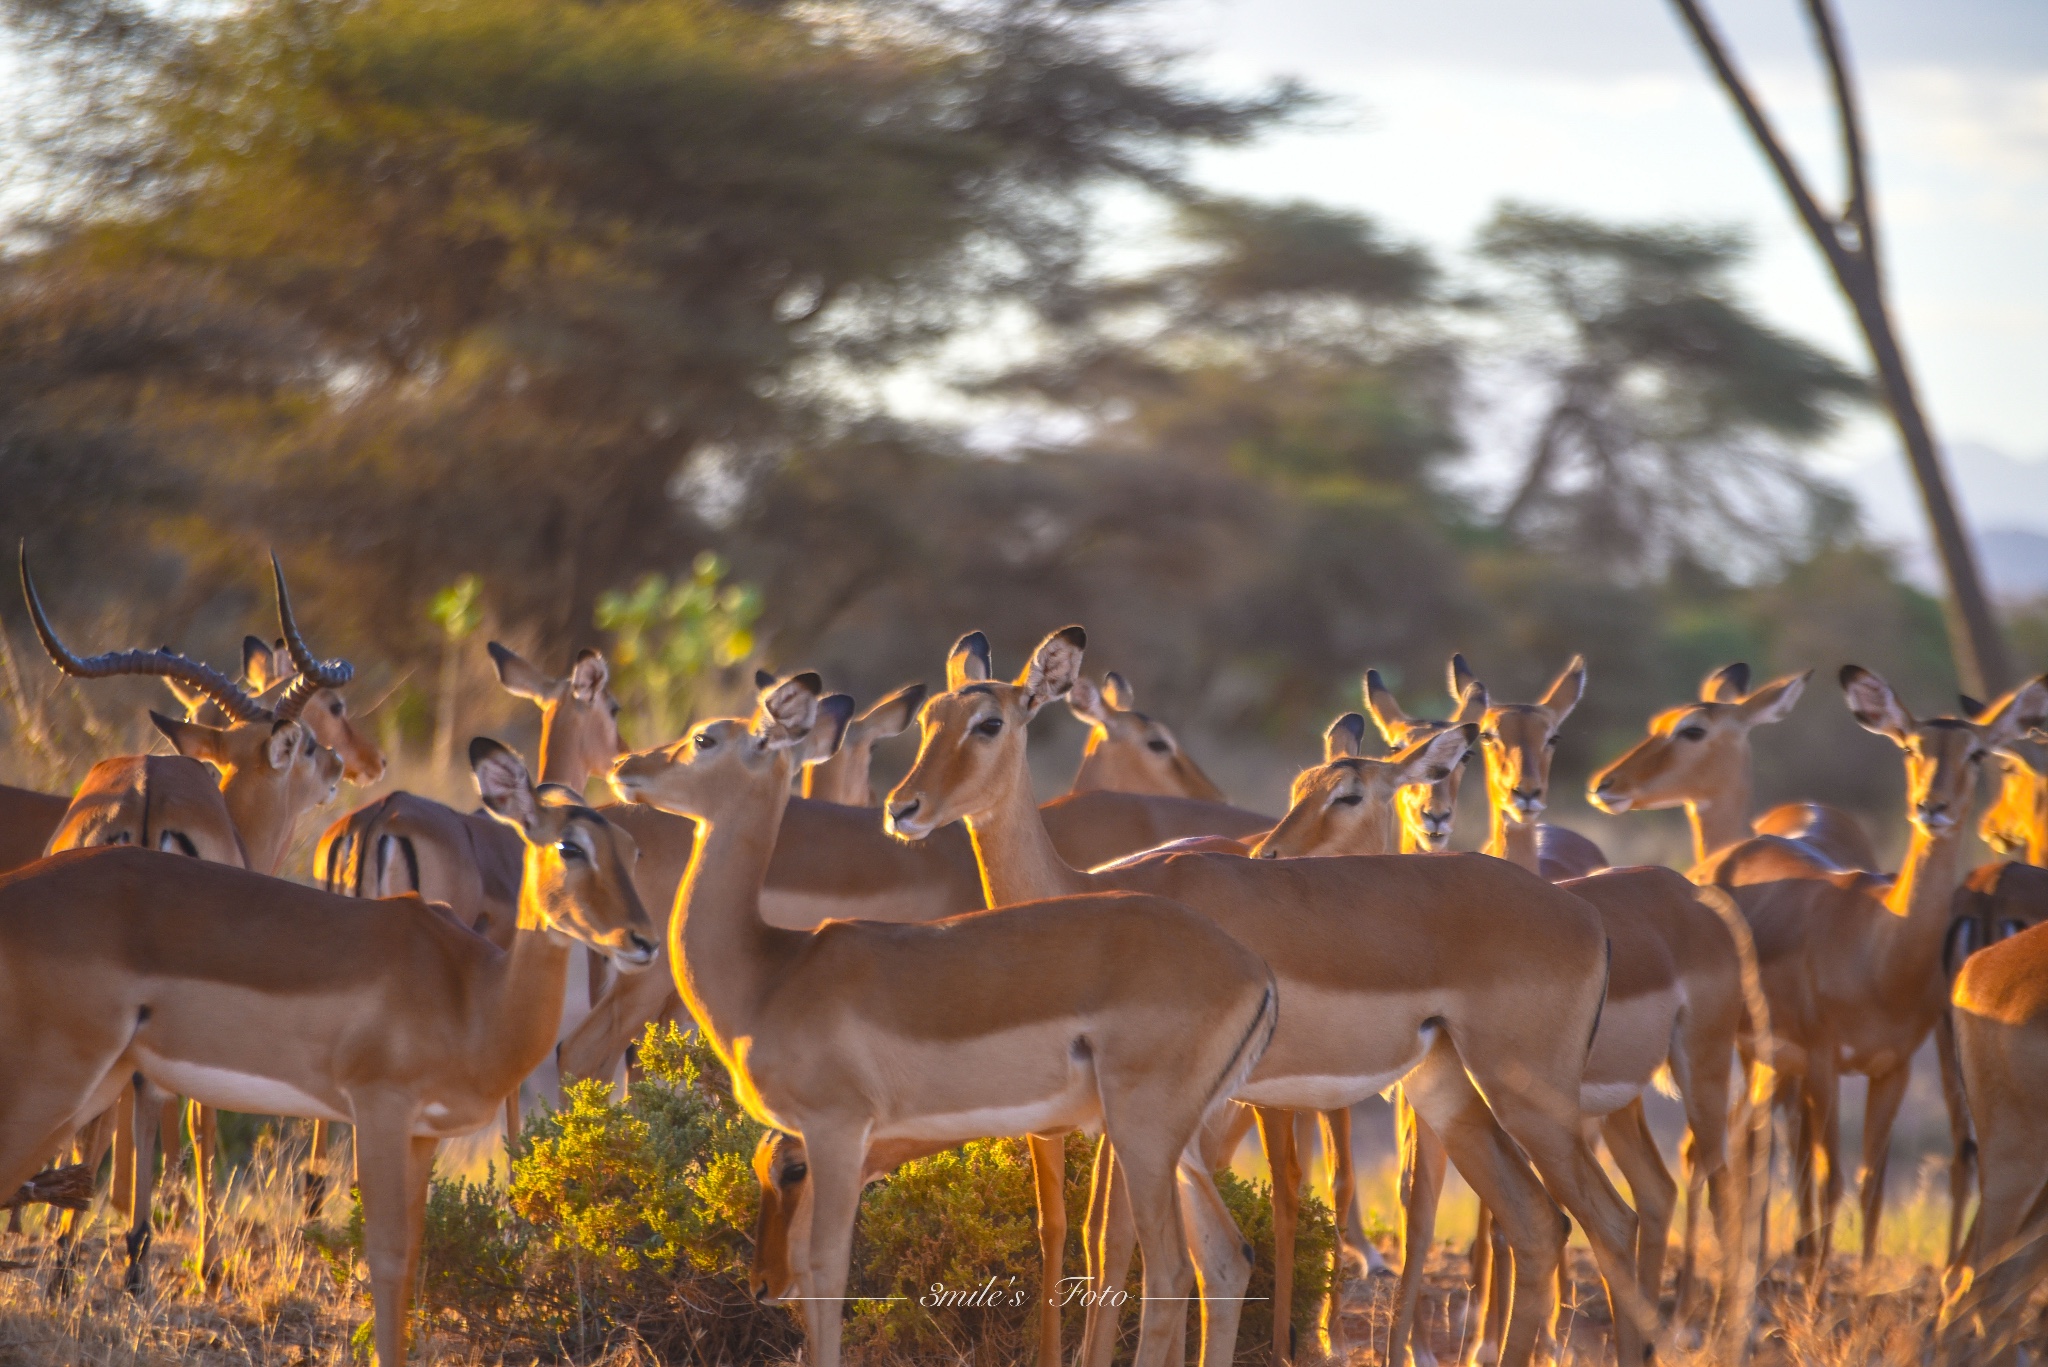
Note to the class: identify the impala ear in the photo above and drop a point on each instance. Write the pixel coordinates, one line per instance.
(1472, 706)
(834, 711)
(763, 679)
(1345, 738)
(1774, 701)
(1085, 699)
(1054, 667)
(283, 742)
(1874, 705)
(1564, 694)
(519, 678)
(892, 715)
(968, 662)
(193, 740)
(588, 676)
(1726, 684)
(1117, 691)
(2017, 713)
(1461, 676)
(504, 785)
(1433, 758)
(788, 711)
(259, 664)
(1384, 707)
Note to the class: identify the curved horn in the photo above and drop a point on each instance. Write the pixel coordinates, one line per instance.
(319, 673)
(225, 693)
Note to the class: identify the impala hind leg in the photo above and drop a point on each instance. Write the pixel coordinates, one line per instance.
(1634, 1149)
(1423, 1162)
(1108, 1243)
(1444, 1097)
(1049, 1177)
(391, 1186)
(1343, 1198)
(1962, 1175)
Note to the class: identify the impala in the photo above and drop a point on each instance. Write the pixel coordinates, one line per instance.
(1852, 965)
(2016, 824)
(1430, 971)
(2001, 1025)
(844, 777)
(271, 769)
(1129, 752)
(1128, 1011)
(1674, 996)
(1698, 757)
(254, 994)
(1426, 809)
(27, 821)
(269, 670)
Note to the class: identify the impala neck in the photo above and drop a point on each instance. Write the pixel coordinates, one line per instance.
(522, 1016)
(725, 957)
(1514, 841)
(1919, 901)
(1720, 815)
(254, 806)
(1018, 860)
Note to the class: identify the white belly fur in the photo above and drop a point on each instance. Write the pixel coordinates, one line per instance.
(226, 1090)
(1605, 1098)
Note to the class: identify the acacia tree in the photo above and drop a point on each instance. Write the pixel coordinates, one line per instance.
(1849, 242)
(1674, 412)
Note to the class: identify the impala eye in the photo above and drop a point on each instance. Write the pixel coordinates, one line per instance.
(1692, 733)
(703, 740)
(1159, 747)
(992, 726)
(1347, 800)
(1552, 742)
(794, 1173)
(570, 851)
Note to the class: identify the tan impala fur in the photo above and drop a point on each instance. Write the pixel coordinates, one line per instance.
(268, 670)
(255, 994)
(2001, 1026)
(1673, 997)
(1129, 752)
(1852, 965)
(1390, 969)
(844, 777)
(1518, 741)
(2016, 822)
(1128, 1011)
(1698, 757)
(27, 821)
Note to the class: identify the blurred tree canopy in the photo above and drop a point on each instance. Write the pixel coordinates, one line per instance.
(564, 294)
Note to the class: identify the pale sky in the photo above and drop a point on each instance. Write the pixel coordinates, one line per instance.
(1444, 108)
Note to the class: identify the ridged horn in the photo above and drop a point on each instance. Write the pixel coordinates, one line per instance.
(166, 663)
(313, 674)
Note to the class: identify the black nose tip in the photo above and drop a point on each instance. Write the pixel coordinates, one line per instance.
(641, 943)
(904, 810)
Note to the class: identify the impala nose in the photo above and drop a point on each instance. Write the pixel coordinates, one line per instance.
(1935, 816)
(1526, 804)
(903, 817)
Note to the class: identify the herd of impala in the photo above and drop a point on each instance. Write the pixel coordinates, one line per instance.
(1137, 958)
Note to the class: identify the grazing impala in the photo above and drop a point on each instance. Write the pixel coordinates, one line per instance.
(1127, 1010)
(1697, 756)
(271, 771)
(255, 994)
(1852, 964)
(2001, 1024)
(1430, 971)
(1674, 997)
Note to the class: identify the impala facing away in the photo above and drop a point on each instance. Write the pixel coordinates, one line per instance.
(1435, 972)
(1852, 965)
(1697, 756)
(1128, 1011)
(254, 994)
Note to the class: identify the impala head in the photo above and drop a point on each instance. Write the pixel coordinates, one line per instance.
(782, 1231)
(738, 759)
(1426, 809)
(578, 879)
(2017, 821)
(579, 717)
(1942, 754)
(1519, 740)
(844, 777)
(971, 755)
(268, 669)
(1697, 750)
(1349, 804)
(1129, 752)
(272, 767)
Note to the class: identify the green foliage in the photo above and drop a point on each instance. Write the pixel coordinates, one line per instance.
(670, 640)
(1315, 1240)
(458, 609)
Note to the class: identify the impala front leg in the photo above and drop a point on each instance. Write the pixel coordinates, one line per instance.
(1962, 1139)
(1276, 1132)
(1110, 1240)
(386, 1184)
(836, 1156)
(1423, 1163)
(1049, 1176)
(1880, 1112)
(204, 1123)
(1343, 1195)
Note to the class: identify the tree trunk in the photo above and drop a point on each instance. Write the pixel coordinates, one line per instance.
(1981, 664)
